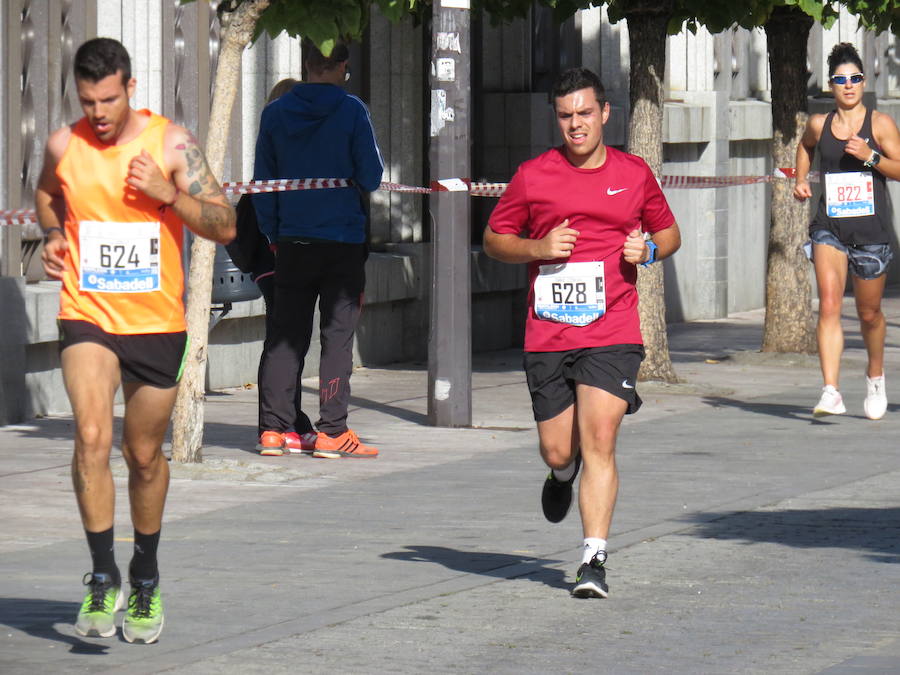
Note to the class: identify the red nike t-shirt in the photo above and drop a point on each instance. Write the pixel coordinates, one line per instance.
(604, 205)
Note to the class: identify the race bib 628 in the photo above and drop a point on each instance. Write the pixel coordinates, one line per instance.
(571, 293)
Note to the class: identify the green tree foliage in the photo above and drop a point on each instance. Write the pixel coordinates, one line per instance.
(877, 15)
(718, 16)
(326, 21)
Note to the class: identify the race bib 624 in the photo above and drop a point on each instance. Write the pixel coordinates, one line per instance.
(119, 257)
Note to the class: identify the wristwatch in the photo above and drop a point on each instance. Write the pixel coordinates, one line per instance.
(873, 160)
(651, 258)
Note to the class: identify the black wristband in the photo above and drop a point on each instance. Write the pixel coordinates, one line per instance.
(53, 229)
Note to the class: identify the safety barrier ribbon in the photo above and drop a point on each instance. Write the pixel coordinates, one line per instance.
(474, 188)
(18, 217)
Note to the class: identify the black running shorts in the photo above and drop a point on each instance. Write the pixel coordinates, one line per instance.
(153, 358)
(552, 376)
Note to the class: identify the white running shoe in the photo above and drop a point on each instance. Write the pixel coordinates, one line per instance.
(875, 404)
(831, 402)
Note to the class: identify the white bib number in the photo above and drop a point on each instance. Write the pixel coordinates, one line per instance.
(850, 194)
(571, 293)
(119, 257)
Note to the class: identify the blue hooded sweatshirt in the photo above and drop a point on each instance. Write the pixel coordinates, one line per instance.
(316, 131)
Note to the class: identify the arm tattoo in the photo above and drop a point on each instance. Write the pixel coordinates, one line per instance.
(214, 216)
(202, 181)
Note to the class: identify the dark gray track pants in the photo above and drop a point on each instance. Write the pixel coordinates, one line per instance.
(334, 275)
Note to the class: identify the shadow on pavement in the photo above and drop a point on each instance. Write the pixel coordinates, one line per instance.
(55, 428)
(858, 343)
(39, 618)
(793, 412)
(499, 565)
(384, 407)
(873, 531)
(387, 409)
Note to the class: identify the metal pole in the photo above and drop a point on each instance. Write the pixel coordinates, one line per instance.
(450, 336)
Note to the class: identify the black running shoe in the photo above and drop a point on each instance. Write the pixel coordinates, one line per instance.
(590, 582)
(556, 497)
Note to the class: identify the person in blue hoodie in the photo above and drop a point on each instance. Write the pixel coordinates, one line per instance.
(251, 253)
(316, 130)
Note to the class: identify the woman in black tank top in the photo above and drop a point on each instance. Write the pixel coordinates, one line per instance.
(859, 150)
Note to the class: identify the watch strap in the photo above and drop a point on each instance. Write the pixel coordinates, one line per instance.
(652, 258)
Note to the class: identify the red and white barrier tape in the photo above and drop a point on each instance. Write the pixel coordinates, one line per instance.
(282, 184)
(18, 217)
(476, 189)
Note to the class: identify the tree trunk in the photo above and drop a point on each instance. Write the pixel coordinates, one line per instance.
(789, 325)
(187, 427)
(647, 40)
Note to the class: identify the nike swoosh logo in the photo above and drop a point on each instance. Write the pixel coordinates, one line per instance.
(612, 192)
(625, 385)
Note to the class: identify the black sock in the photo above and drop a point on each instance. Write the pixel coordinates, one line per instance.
(143, 564)
(103, 553)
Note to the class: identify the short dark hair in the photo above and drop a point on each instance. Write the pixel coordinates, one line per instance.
(100, 58)
(574, 79)
(841, 53)
(317, 62)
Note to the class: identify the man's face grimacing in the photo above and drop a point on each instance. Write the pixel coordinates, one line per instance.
(581, 118)
(106, 104)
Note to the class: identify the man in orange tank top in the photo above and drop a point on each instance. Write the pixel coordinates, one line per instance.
(115, 191)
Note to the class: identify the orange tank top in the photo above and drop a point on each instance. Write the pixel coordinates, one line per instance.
(123, 268)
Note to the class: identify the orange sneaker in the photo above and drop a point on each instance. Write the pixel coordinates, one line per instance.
(300, 443)
(271, 444)
(345, 445)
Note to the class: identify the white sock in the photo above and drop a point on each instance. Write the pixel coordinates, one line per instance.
(566, 474)
(592, 546)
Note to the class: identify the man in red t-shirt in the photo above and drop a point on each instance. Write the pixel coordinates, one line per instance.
(582, 215)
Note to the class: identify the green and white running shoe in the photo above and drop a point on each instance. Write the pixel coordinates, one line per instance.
(144, 617)
(97, 616)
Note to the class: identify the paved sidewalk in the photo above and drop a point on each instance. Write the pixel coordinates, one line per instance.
(749, 537)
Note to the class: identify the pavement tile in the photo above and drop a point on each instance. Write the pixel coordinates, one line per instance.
(749, 537)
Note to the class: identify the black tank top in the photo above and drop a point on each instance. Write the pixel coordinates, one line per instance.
(854, 230)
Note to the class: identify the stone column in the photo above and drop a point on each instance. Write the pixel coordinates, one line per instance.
(696, 131)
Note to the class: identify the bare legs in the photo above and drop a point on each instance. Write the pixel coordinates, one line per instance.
(831, 279)
(91, 374)
(593, 423)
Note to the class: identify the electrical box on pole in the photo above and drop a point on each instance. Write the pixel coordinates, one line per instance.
(450, 334)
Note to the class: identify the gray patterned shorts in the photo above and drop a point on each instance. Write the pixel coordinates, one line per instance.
(866, 261)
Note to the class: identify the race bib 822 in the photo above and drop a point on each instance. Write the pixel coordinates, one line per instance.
(849, 194)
